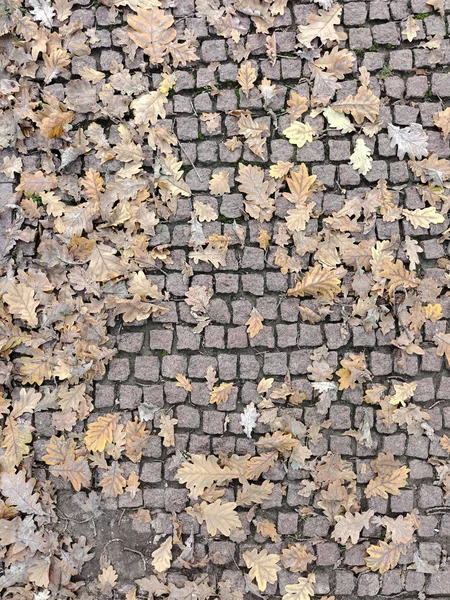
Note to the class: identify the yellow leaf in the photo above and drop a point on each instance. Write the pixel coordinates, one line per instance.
(251, 493)
(403, 391)
(136, 438)
(267, 529)
(100, 432)
(299, 133)
(303, 590)
(385, 556)
(254, 323)
(363, 105)
(300, 185)
(220, 393)
(389, 483)
(132, 484)
(246, 77)
(263, 567)
(361, 159)
(218, 516)
(280, 169)
(152, 30)
(21, 303)
(433, 312)
(317, 282)
(423, 217)
(162, 556)
(338, 120)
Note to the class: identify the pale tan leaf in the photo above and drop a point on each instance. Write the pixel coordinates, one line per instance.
(263, 567)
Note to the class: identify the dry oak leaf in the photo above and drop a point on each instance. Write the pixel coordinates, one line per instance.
(254, 323)
(389, 483)
(398, 276)
(303, 590)
(263, 567)
(218, 516)
(113, 482)
(338, 62)
(363, 105)
(183, 382)
(152, 30)
(258, 203)
(349, 526)
(296, 558)
(167, 430)
(258, 465)
(280, 169)
(361, 159)
(410, 29)
(220, 393)
(251, 493)
(401, 530)
(442, 120)
(300, 185)
(338, 120)
(103, 264)
(320, 281)
(267, 529)
(21, 302)
(385, 556)
(55, 63)
(445, 443)
(11, 165)
(36, 183)
(299, 133)
(246, 77)
(296, 105)
(101, 432)
(64, 463)
(36, 368)
(219, 184)
(423, 217)
(322, 26)
(107, 580)
(16, 439)
(19, 493)
(411, 140)
(201, 472)
(162, 556)
(443, 345)
(204, 212)
(149, 107)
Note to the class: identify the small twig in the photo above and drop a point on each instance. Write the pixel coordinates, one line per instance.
(190, 161)
(139, 554)
(193, 108)
(127, 549)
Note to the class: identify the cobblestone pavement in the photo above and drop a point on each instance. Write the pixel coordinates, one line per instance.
(414, 83)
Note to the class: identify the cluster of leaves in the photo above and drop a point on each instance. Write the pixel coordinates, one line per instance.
(92, 249)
